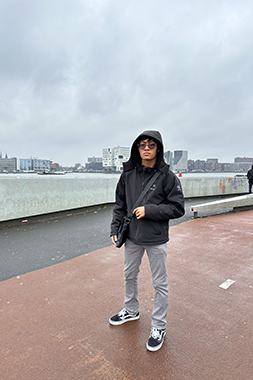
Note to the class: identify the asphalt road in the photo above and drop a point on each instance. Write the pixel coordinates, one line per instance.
(45, 241)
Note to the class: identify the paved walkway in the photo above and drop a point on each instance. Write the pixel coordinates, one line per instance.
(54, 321)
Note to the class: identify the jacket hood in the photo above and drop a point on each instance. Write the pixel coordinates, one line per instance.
(135, 159)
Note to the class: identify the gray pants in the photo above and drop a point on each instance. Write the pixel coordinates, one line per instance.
(157, 255)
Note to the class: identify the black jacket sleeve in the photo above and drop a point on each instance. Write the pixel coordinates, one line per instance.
(120, 209)
(173, 205)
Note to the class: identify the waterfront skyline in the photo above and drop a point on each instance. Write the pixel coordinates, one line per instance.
(76, 77)
(208, 164)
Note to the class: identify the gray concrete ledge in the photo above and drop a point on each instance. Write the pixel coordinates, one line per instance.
(241, 202)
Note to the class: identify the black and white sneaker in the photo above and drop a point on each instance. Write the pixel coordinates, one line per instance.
(156, 339)
(122, 317)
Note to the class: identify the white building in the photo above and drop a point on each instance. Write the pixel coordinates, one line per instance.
(180, 160)
(113, 158)
(121, 154)
(33, 164)
(107, 158)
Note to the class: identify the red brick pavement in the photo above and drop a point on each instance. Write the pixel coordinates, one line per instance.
(54, 322)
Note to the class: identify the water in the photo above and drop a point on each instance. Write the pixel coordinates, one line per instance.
(106, 176)
(52, 176)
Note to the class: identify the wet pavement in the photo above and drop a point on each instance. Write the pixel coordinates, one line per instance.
(54, 321)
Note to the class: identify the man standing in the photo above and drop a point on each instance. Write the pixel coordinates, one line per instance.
(250, 178)
(148, 230)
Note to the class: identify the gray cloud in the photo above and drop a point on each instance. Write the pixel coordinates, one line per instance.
(79, 76)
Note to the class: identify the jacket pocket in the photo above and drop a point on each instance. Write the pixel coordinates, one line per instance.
(148, 230)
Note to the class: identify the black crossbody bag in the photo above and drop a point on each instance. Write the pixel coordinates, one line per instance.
(126, 220)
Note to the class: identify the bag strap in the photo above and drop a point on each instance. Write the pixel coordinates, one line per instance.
(144, 191)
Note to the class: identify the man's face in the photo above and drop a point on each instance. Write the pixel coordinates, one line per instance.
(148, 150)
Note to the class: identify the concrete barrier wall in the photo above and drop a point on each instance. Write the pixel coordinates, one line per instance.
(205, 187)
(21, 198)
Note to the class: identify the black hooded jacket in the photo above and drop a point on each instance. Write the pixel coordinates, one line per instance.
(164, 200)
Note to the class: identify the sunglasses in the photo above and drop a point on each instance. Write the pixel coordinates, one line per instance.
(150, 146)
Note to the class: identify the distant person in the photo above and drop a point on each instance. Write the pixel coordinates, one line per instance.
(148, 228)
(250, 178)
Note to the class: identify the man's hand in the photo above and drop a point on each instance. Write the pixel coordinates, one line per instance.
(139, 212)
(114, 239)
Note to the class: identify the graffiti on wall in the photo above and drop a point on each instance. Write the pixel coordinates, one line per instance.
(234, 182)
(222, 187)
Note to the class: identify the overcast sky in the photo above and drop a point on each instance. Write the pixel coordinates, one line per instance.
(77, 76)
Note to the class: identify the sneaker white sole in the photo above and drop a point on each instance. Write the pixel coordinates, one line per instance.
(117, 323)
(156, 348)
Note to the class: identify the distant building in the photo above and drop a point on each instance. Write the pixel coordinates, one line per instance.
(8, 164)
(121, 154)
(168, 157)
(55, 166)
(33, 164)
(95, 159)
(113, 158)
(227, 167)
(243, 163)
(25, 164)
(211, 164)
(244, 159)
(94, 164)
(199, 165)
(108, 158)
(180, 160)
(191, 165)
